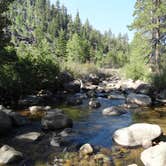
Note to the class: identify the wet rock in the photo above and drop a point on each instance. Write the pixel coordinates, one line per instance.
(35, 109)
(116, 96)
(5, 110)
(30, 100)
(144, 88)
(9, 155)
(86, 149)
(154, 156)
(140, 99)
(94, 103)
(113, 110)
(65, 132)
(31, 136)
(94, 79)
(73, 101)
(55, 119)
(72, 87)
(5, 123)
(137, 134)
(92, 94)
(55, 142)
(130, 106)
(18, 120)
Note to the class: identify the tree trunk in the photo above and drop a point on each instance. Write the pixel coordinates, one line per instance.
(157, 40)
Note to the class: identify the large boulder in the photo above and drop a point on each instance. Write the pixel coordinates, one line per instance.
(113, 110)
(9, 154)
(55, 120)
(140, 99)
(15, 117)
(5, 123)
(72, 86)
(37, 109)
(137, 134)
(18, 120)
(155, 156)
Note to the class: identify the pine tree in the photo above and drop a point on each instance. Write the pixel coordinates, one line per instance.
(148, 21)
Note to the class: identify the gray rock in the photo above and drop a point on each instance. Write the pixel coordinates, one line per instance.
(31, 136)
(117, 96)
(73, 101)
(55, 119)
(140, 99)
(18, 120)
(35, 109)
(137, 134)
(9, 154)
(5, 123)
(113, 110)
(94, 103)
(73, 86)
(155, 156)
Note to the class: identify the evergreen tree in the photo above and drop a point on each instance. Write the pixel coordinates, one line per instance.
(148, 21)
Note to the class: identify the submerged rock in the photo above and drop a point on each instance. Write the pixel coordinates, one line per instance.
(140, 99)
(113, 110)
(155, 156)
(55, 119)
(137, 134)
(9, 154)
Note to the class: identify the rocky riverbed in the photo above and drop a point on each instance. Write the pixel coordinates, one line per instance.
(50, 129)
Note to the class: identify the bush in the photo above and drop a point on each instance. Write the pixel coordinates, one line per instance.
(79, 70)
(136, 71)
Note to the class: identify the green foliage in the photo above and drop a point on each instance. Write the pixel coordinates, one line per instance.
(79, 70)
(77, 49)
(137, 67)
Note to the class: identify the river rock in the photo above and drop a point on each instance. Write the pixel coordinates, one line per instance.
(140, 99)
(31, 136)
(35, 109)
(94, 103)
(73, 101)
(18, 120)
(137, 134)
(94, 79)
(55, 119)
(86, 149)
(72, 86)
(155, 156)
(116, 96)
(113, 110)
(5, 123)
(9, 154)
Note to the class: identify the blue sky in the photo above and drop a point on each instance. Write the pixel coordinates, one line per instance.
(103, 14)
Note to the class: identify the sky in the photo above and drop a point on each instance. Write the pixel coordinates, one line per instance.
(103, 14)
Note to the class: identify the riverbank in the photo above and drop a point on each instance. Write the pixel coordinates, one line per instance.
(84, 102)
